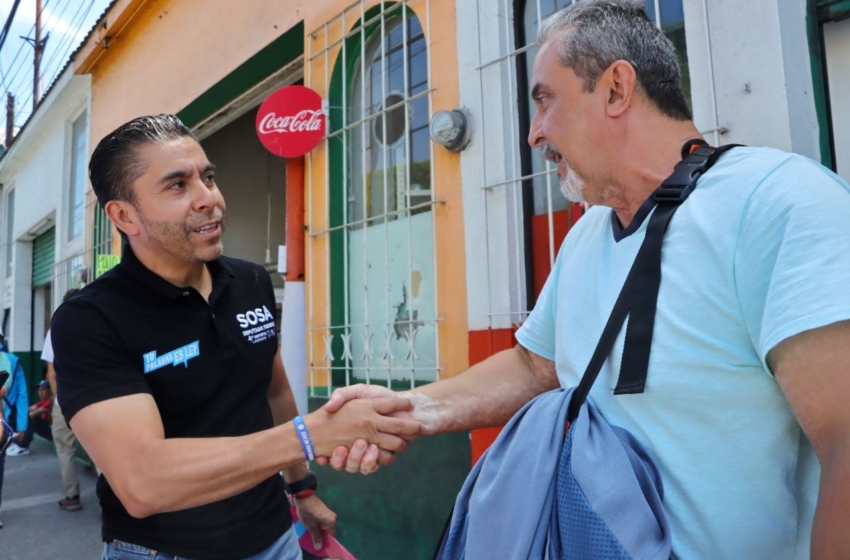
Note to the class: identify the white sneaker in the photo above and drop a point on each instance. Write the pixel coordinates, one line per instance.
(16, 451)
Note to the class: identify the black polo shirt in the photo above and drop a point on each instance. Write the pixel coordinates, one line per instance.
(207, 366)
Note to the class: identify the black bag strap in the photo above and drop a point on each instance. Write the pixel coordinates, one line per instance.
(639, 295)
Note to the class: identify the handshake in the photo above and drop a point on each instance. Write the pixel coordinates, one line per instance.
(364, 426)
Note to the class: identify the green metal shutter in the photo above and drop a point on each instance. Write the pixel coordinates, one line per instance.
(43, 252)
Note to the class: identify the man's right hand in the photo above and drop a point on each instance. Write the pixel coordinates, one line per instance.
(369, 421)
(361, 457)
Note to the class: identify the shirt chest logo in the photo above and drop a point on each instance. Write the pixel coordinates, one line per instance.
(257, 324)
(174, 358)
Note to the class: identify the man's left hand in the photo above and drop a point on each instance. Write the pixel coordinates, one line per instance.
(317, 517)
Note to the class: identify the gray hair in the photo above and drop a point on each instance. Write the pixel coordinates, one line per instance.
(596, 33)
(115, 163)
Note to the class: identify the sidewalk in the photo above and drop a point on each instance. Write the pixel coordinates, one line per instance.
(34, 528)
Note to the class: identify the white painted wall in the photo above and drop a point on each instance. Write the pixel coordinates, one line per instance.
(758, 52)
(493, 280)
(21, 294)
(38, 167)
(799, 84)
(39, 187)
(837, 42)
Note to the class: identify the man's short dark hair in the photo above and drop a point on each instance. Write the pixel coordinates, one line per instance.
(69, 294)
(115, 163)
(593, 34)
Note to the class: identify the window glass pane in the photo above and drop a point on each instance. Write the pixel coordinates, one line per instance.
(649, 6)
(540, 185)
(78, 178)
(673, 25)
(395, 138)
(390, 300)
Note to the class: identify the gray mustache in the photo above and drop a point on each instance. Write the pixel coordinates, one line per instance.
(549, 151)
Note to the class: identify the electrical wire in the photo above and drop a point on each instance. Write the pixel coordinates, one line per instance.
(6, 85)
(8, 24)
(64, 47)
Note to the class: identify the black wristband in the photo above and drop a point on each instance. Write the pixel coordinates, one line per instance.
(310, 482)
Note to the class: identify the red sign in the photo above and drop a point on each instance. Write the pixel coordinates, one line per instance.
(291, 122)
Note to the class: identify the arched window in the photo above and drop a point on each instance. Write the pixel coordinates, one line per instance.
(383, 278)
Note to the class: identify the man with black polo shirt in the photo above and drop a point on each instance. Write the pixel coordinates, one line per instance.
(170, 375)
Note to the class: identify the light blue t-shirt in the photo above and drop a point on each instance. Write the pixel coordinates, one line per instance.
(758, 253)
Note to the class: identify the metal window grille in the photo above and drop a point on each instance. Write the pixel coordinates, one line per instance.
(371, 258)
(80, 268)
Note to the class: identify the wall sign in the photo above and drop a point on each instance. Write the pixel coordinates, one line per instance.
(104, 263)
(291, 121)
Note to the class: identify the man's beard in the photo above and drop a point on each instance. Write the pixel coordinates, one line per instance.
(175, 237)
(571, 183)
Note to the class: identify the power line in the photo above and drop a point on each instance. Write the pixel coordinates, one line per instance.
(17, 54)
(70, 37)
(20, 50)
(67, 40)
(5, 32)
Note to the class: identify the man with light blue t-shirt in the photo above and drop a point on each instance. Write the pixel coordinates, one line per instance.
(745, 409)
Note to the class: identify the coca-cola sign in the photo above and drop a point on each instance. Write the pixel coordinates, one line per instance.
(291, 122)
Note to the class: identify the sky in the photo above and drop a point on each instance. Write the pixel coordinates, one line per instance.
(67, 21)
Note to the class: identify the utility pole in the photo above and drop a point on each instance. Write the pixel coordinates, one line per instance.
(38, 49)
(10, 118)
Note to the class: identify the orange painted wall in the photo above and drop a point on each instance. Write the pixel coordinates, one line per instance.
(172, 51)
(482, 345)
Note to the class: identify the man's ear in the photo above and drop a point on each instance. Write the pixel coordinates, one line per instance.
(619, 83)
(124, 216)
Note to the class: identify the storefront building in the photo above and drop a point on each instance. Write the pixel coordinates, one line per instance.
(419, 261)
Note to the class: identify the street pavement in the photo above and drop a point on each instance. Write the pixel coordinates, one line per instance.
(34, 528)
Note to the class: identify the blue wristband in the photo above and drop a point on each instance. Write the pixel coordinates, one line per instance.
(304, 438)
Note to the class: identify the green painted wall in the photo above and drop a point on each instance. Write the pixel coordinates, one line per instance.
(43, 253)
(400, 511)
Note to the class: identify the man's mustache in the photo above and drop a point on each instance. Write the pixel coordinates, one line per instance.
(551, 153)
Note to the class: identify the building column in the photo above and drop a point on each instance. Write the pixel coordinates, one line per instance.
(293, 343)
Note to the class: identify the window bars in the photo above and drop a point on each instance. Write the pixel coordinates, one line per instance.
(84, 266)
(371, 258)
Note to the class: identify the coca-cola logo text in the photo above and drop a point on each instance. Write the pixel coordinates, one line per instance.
(303, 121)
(291, 121)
